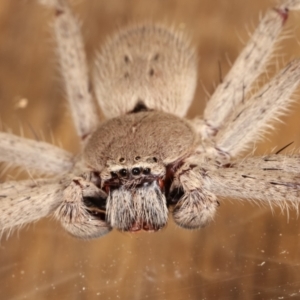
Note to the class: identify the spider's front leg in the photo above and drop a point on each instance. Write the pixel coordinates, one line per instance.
(194, 206)
(82, 211)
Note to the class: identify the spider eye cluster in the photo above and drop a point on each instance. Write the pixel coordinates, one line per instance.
(136, 171)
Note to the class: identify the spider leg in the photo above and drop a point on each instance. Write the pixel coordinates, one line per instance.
(272, 179)
(70, 50)
(26, 201)
(34, 155)
(246, 69)
(22, 202)
(79, 211)
(194, 205)
(252, 118)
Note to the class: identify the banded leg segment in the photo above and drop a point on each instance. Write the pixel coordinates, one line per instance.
(34, 155)
(246, 69)
(72, 59)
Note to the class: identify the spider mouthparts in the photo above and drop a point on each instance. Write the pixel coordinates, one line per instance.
(138, 226)
(132, 209)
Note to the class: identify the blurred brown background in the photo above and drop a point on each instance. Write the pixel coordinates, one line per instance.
(249, 252)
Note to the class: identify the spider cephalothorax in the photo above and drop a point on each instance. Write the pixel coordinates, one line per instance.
(135, 156)
(147, 159)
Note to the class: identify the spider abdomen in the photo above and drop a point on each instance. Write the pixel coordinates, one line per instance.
(149, 63)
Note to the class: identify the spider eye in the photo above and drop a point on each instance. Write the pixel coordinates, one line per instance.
(146, 171)
(136, 171)
(123, 172)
